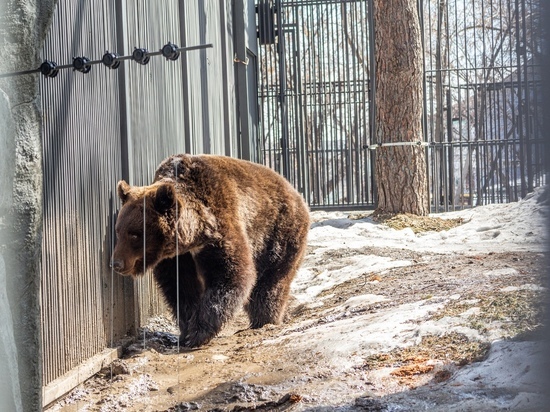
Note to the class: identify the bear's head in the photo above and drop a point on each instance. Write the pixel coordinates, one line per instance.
(145, 227)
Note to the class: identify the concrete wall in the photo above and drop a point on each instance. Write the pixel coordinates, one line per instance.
(23, 24)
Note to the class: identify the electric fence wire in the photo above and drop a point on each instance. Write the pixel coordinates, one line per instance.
(111, 60)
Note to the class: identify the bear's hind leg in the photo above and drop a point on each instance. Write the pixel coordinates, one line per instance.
(269, 298)
(284, 250)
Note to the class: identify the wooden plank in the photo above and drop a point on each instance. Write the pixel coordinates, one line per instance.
(65, 383)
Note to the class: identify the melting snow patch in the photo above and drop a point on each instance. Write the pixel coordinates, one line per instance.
(309, 283)
(512, 365)
(219, 357)
(512, 378)
(344, 341)
(529, 286)
(363, 300)
(502, 272)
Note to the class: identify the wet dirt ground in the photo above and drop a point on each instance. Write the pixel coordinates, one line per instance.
(473, 298)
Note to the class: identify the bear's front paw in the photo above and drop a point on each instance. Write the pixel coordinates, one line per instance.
(196, 339)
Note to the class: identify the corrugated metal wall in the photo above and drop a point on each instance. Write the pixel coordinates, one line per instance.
(155, 114)
(82, 162)
(107, 125)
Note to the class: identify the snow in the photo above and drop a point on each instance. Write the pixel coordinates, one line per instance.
(345, 341)
(341, 339)
(504, 381)
(309, 284)
(505, 366)
(350, 302)
(518, 226)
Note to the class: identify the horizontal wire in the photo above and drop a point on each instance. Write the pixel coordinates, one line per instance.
(377, 145)
(93, 62)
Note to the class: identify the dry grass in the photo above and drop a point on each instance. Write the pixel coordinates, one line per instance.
(447, 351)
(418, 224)
(453, 348)
(516, 312)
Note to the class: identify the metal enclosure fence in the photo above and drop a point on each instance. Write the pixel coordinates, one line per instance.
(481, 99)
(108, 125)
(81, 163)
(314, 98)
(482, 106)
(314, 90)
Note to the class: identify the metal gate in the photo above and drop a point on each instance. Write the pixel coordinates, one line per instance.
(315, 66)
(483, 113)
(482, 98)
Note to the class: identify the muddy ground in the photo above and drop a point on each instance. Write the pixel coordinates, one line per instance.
(440, 334)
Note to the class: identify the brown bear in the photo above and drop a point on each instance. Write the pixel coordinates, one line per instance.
(220, 233)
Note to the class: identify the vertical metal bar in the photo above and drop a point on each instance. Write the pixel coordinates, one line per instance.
(340, 85)
(357, 101)
(294, 132)
(282, 89)
(450, 162)
(346, 116)
(539, 144)
(239, 44)
(372, 97)
(322, 98)
(185, 78)
(425, 130)
(520, 92)
(525, 104)
(456, 143)
(325, 90)
(477, 150)
(313, 96)
(301, 136)
(226, 65)
(273, 108)
(308, 116)
(326, 84)
(516, 172)
(363, 158)
(275, 138)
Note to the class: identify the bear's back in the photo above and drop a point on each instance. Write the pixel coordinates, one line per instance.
(220, 177)
(235, 190)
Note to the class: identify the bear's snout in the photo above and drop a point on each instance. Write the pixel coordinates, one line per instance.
(127, 267)
(117, 265)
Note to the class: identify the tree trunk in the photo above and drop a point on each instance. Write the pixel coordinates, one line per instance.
(401, 174)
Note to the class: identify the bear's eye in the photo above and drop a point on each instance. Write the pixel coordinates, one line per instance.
(134, 236)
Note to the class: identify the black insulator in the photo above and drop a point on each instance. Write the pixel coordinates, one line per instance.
(140, 56)
(170, 51)
(82, 64)
(49, 68)
(111, 60)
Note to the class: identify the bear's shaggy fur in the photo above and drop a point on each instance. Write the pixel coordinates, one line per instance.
(228, 232)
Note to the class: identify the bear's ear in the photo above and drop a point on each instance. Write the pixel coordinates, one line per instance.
(123, 190)
(165, 198)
